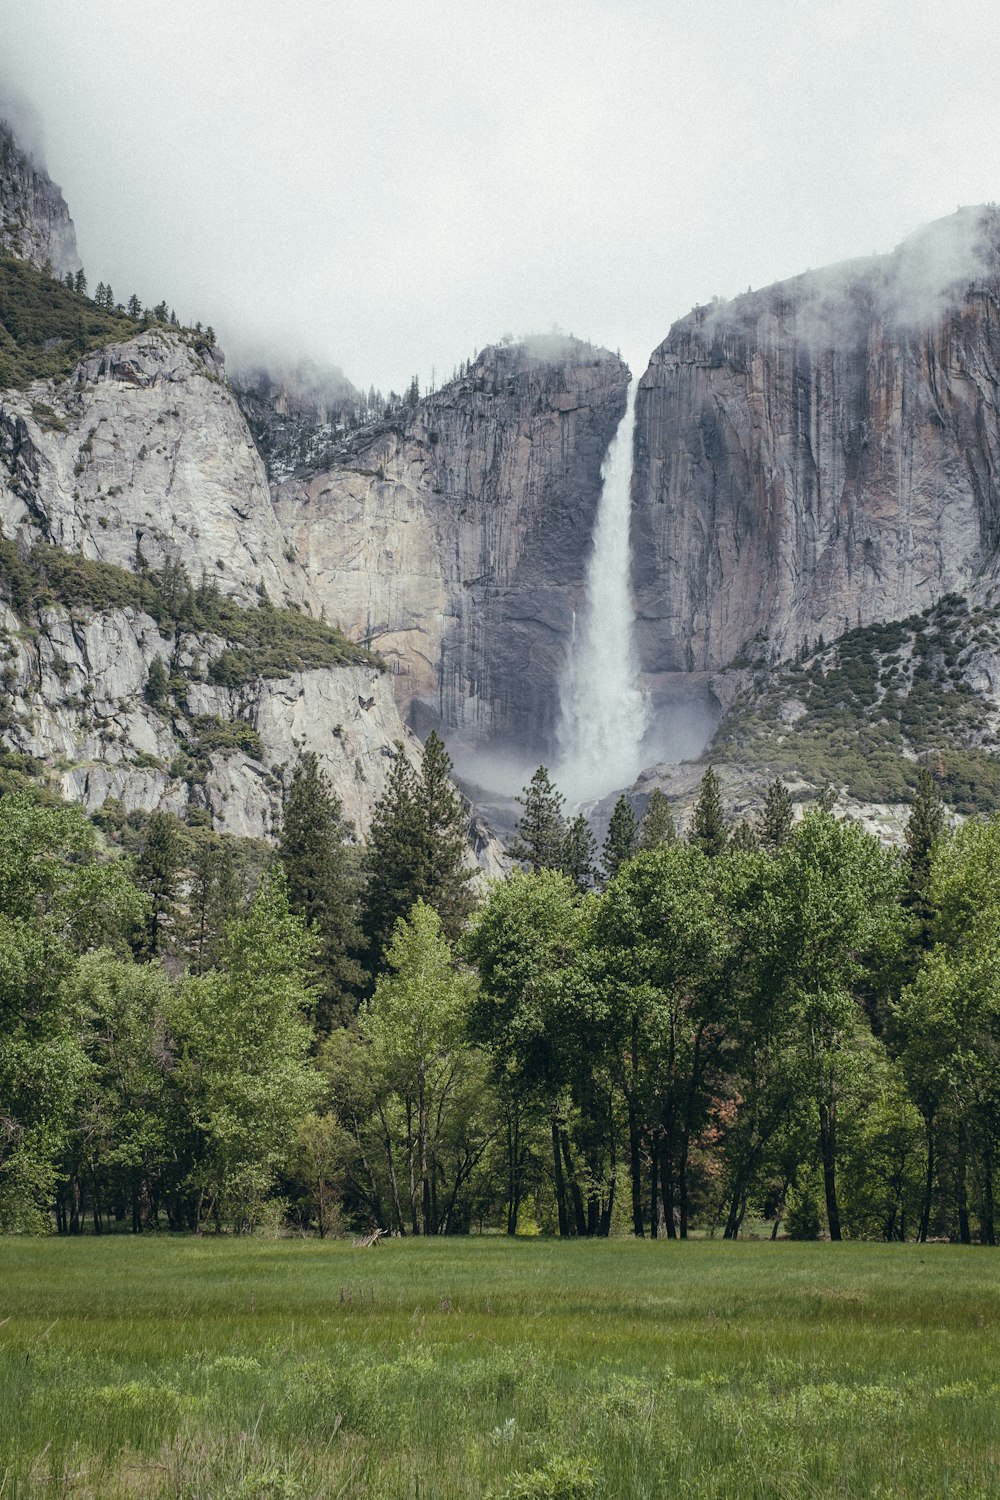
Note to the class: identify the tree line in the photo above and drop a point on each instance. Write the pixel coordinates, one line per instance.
(768, 1022)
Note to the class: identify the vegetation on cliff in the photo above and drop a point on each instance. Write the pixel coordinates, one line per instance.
(865, 711)
(263, 641)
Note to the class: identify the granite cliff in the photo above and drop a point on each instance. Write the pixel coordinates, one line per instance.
(34, 221)
(821, 454)
(454, 537)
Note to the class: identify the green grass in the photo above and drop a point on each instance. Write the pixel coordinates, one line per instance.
(483, 1367)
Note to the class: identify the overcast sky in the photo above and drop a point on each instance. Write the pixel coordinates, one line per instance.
(390, 186)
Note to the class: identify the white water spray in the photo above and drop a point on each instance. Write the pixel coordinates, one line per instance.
(603, 711)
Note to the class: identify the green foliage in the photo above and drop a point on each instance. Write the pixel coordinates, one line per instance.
(323, 887)
(541, 831)
(708, 825)
(579, 853)
(870, 703)
(429, 1087)
(417, 850)
(776, 819)
(264, 641)
(803, 1220)
(45, 328)
(622, 840)
(242, 1069)
(658, 825)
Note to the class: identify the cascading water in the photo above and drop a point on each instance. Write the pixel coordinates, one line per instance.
(603, 711)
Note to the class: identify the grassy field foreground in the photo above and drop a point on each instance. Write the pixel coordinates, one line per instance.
(265, 1370)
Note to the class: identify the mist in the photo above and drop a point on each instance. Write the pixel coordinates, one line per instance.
(387, 189)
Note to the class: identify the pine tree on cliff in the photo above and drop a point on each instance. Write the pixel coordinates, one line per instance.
(776, 819)
(622, 841)
(708, 827)
(658, 826)
(542, 828)
(579, 853)
(323, 888)
(417, 850)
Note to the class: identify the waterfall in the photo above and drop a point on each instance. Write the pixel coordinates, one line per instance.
(603, 712)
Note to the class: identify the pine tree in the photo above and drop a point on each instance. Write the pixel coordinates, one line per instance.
(658, 826)
(323, 887)
(445, 824)
(744, 836)
(542, 828)
(924, 826)
(157, 682)
(417, 850)
(776, 819)
(708, 827)
(622, 841)
(80, 283)
(215, 897)
(579, 853)
(157, 872)
(99, 294)
(134, 306)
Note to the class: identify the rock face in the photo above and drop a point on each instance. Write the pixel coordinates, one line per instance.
(77, 700)
(297, 412)
(34, 221)
(144, 452)
(821, 454)
(456, 538)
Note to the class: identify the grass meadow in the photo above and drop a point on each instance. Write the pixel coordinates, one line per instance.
(213, 1369)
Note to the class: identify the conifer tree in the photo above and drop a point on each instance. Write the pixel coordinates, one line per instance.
(80, 283)
(157, 872)
(542, 828)
(417, 850)
(744, 836)
(579, 853)
(622, 841)
(776, 819)
(99, 294)
(323, 888)
(157, 682)
(658, 826)
(134, 306)
(708, 827)
(215, 897)
(925, 825)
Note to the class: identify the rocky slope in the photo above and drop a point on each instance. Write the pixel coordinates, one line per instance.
(455, 536)
(34, 221)
(141, 459)
(76, 698)
(821, 454)
(143, 453)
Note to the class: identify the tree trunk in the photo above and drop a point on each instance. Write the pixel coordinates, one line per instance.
(828, 1144)
(925, 1207)
(961, 1187)
(635, 1172)
(576, 1195)
(654, 1188)
(667, 1191)
(559, 1180)
(987, 1223)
